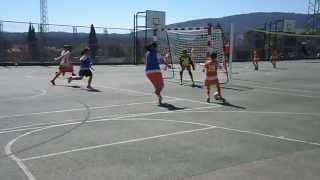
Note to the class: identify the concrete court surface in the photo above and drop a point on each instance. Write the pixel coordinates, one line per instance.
(270, 129)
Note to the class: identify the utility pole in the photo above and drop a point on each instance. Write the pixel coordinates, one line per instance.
(44, 19)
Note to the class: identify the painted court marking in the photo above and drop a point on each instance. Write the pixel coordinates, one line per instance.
(150, 94)
(42, 92)
(208, 127)
(79, 109)
(25, 169)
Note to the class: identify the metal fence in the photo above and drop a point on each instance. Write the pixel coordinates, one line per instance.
(115, 45)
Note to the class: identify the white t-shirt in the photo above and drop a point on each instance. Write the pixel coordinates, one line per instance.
(65, 58)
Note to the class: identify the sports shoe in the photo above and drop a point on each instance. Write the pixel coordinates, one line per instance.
(160, 100)
(208, 100)
(52, 82)
(69, 80)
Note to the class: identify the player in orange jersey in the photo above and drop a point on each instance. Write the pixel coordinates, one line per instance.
(211, 70)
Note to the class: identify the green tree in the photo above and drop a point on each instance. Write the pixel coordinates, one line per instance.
(93, 42)
(32, 42)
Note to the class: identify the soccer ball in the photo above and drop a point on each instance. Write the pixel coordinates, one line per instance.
(216, 96)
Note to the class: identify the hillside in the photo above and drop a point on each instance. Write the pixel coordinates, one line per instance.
(244, 21)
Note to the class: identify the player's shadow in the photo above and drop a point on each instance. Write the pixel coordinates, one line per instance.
(171, 107)
(93, 90)
(197, 86)
(79, 87)
(228, 104)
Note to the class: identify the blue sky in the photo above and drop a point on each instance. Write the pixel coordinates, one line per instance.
(119, 13)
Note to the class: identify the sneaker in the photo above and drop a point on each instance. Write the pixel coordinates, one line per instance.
(52, 82)
(208, 100)
(89, 87)
(160, 100)
(69, 80)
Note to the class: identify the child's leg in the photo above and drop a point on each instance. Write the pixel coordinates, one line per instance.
(208, 93)
(191, 76)
(89, 81)
(55, 77)
(218, 88)
(181, 75)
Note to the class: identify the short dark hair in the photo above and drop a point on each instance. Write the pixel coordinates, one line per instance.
(85, 50)
(213, 55)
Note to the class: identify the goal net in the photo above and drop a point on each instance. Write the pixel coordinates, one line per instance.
(198, 42)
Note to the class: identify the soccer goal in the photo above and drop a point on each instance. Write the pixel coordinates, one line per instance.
(198, 42)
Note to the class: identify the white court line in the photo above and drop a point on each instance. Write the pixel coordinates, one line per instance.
(28, 173)
(149, 94)
(287, 93)
(94, 119)
(42, 93)
(97, 118)
(78, 109)
(292, 89)
(261, 112)
(121, 142)
(24, 168)
(209, 127)
(31, 177)
(293, 92)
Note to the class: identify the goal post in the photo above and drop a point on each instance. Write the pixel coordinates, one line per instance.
(198, 41)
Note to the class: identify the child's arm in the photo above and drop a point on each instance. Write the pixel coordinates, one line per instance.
(62, 56)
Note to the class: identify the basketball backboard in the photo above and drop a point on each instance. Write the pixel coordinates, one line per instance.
(155, 19)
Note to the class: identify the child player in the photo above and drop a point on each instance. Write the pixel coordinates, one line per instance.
(65, 63)
(152, 69)
(256, 59)
(186, 63)
(167, 60)
(85, 66)
(211, 70)
(274, 57)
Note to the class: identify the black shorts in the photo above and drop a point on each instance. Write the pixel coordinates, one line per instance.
(85, 72)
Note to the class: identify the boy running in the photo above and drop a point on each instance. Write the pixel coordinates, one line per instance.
(153, 71)
(85, 66)
(274, 57)
(211, 70)
(186, 63)
(256, 59)
(167, 60)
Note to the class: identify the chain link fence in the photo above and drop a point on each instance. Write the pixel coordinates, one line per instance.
(19, 46)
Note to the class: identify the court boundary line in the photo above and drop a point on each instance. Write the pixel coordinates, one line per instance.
(40, 125)
(94, 119)
(150, 94)
(24, 168)
(80, 109)
(208, 127)
(43, 92)
(285, 91)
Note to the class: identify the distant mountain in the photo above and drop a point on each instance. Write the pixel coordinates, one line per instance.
(244, 21)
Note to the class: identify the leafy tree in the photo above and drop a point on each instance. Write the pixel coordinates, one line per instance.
(32, 42)
(93, 42)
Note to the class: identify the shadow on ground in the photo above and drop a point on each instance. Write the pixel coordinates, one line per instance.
(228, 104)
(171, 107)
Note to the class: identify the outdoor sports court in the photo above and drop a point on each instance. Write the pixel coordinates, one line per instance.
(269, 130)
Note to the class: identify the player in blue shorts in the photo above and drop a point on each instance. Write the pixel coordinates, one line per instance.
(85, 68)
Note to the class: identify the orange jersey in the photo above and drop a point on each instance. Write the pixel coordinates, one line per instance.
(274, 55)
(211, 68)
(256, 55)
